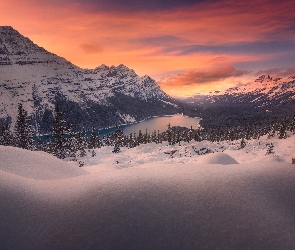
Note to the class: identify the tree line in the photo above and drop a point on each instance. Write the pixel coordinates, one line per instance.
(66, 143)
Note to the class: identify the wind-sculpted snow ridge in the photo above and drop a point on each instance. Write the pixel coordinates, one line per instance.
(102, 96)
(36, 165)
(151, 197)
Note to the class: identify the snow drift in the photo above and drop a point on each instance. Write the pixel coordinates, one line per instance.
(216, 158)
(169, 204)
(36, 165)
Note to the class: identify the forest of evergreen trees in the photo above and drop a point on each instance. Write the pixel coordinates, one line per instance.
(66, 143)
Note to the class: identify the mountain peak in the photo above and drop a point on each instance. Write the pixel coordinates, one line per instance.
(39, 79)
(7, 29)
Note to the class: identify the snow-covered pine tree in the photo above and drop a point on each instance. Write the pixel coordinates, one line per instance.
(242, 144)
(283, 129)
(118, 139)
(272, 131)
(292, 125)
(40, 144)
(93, 139)
(71, 143)
(169, 134)
(24, 133)
(59, 145)
(48, 147)
(248, 133)
(82, 143)
(270, 149)
(99, 141)
(6, 137)
(131, 141)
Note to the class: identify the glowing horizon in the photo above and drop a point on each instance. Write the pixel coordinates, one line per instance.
(187, 46)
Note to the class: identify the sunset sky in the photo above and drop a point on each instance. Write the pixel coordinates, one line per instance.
(189, 46)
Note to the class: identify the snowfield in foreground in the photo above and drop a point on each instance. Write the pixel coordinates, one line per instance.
(151, 197)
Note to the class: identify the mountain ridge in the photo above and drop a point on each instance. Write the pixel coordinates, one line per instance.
(260, 101)
(103, 96)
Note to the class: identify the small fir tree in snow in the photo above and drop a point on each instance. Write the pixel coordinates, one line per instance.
(116, 149)
(242, 144)
(270, 149)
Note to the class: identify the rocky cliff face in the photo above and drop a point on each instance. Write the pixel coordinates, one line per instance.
(102, 96)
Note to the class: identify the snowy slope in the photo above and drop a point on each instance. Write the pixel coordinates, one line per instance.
(266, 92)
(37, 78)
(156, 201)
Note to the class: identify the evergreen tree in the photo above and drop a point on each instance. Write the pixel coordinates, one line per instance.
(6, 137)
(118, 139)
(292, 125)
(270, 149)
(283, 130)
(272, 131)
(48, 146)
(24, 132)
(59, 147)
(243, 143)
(40, 144)
(71, 143)
(82, 143)
(93, 140)
(169, 134)
(98, 143)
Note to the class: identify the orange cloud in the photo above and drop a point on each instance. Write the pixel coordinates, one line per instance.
(91, 48)
(200, 80)
(180, 39)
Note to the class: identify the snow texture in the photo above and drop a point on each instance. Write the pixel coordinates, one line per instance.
(217, 158)
(149, 198)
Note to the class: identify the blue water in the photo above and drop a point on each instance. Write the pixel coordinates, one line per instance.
(155, 124)
(152, 124)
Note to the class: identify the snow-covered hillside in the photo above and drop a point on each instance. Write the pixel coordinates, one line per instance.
(39, 79)
(154, 196)
(266, 92)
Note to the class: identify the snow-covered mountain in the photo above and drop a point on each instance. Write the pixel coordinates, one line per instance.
(102, 96)
(264, 92)
(265, 99)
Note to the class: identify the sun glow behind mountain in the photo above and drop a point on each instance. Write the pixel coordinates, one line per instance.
(188, 46)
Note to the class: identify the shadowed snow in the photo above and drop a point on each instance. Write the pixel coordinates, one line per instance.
(150, 200)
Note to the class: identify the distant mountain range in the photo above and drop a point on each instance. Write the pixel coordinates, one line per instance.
(264, 99)
(103, 96)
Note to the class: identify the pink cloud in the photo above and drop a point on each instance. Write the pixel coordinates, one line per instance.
(203, 77)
